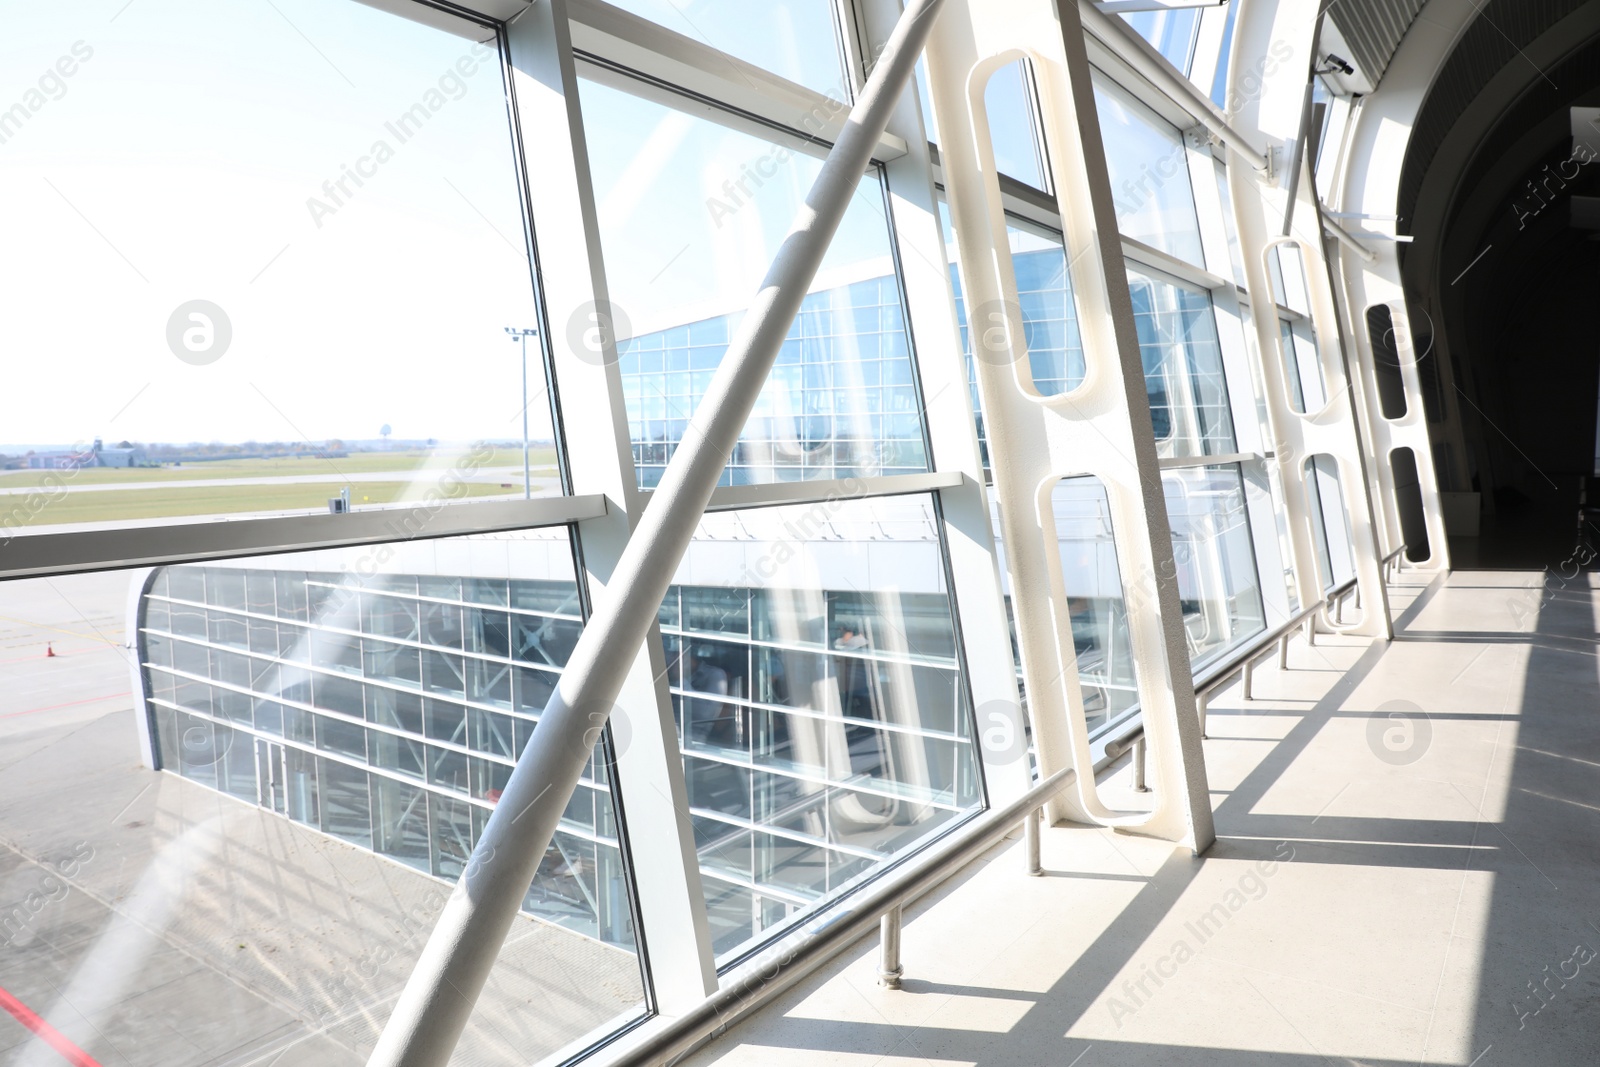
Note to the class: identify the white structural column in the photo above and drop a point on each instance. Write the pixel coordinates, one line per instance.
(975, 572)
(650, 784)
(1266, 79)
(1365, 184)
(1366, 286)
(439, 997)
(1101, 429)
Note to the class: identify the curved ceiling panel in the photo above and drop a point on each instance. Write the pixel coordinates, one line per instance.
(1373, 29)
(1493, 40)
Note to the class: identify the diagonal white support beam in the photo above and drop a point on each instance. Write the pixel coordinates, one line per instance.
(439, 997)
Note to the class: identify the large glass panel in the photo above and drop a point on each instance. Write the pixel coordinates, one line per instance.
(1301, 367)
(834, 733)
(1149, 169)
(282, 870)
(1219, 80)
(1218, 587)
(1330, 525)
(792, 38)
(691, 214)
(1049, 317)
(1008, 101)
(1182, 366)
(1172, 33)
(1281, 521)
(1230, 224)
(313, 302)
(1092, 579)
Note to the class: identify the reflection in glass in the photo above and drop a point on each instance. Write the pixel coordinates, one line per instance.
(820, 710)
(691, 214)
(1049, 318)
(1330, 525)
(1218, 588)
(1301, 368)
(1183, 367)
(1149, 169)
(1092, 581)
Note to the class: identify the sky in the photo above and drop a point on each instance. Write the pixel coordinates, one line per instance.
(187, 157)
(176, 163)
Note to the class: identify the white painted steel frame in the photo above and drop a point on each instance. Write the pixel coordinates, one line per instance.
(1273, 113)
(75, 551)
(1363, 179)
(675, 941)
(1102, 428)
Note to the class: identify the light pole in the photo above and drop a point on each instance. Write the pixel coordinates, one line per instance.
(522, 334)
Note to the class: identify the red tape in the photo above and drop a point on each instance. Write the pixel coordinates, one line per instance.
(47, 1033)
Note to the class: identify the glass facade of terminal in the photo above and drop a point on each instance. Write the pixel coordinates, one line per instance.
(819, 706)
(841, 400)
(388, 713)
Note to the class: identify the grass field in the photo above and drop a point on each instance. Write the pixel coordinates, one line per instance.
(354, 464)
(179, 500)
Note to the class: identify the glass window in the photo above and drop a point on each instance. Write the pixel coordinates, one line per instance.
(1182, 366)
(1219, 81)
(1092, 580)
(839, 734)
(1014, 133)
(346, 807)
(1172, 33)
(1330, 525)
(346, 331)
(353, 749)
(1285, 554)
(1049, 317)
(1218, 588)
(1229, 223)
(792, 38)
(929, 120)
(691, 214)
(1149, 169)
(1302, 369)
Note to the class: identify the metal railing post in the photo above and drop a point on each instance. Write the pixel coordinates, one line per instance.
(1031, 844)
(454, 965)
(889, 969)
(1247, 678)
(1139, 785)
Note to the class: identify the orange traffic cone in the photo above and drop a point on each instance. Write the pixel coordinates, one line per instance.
(49, 650)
